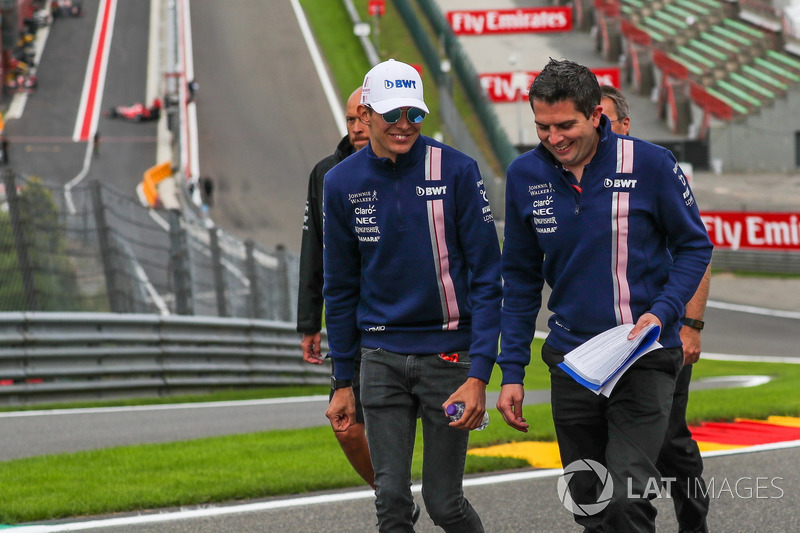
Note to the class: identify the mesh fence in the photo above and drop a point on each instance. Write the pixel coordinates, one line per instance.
(88, 248)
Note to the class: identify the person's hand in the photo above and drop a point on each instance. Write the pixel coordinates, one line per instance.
(342, 409)
(510, 406)
(311, 350)
(690, 338)
(644, 320)
(473, 394)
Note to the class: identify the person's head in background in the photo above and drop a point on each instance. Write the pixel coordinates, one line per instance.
(616, 108)
(357, 131)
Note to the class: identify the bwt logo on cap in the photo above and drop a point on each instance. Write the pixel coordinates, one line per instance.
(400, 84)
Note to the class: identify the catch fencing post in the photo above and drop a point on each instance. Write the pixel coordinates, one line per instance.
(106, 250)
(284, 299)
(179, 256)
(219, 277)
(254, 298)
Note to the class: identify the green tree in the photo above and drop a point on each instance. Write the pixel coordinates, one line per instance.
(54, 278)
(11, 296)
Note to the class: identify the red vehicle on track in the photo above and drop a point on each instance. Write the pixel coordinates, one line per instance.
(66, 8)
(137, 112)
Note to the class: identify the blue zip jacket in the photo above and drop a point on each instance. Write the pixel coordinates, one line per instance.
(411, 257)
(630, 242)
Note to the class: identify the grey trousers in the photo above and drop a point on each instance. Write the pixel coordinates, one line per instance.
(394, 389)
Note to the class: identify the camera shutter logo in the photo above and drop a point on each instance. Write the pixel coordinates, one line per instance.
(585, 509)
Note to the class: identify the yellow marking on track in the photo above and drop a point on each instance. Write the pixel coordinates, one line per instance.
(538, 454)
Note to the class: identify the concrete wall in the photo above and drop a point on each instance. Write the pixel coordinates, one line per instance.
(762, 142)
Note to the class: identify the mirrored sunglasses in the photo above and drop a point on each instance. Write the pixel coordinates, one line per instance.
(414, 115)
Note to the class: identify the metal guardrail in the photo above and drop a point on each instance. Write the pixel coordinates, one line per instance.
(771, 262)
(52, 357)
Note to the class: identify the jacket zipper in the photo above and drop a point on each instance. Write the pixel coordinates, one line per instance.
(397, 198)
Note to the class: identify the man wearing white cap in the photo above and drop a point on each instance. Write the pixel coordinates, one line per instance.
(412, 275)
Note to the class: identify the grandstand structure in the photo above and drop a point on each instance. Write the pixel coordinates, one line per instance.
(726, 72)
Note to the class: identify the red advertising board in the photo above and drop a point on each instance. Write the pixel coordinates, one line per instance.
(529, 20)
(503, 86)
(734, 230)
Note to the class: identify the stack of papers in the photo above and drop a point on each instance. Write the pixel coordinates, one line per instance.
(598, 363)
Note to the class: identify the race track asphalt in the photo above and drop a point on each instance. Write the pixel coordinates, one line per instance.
(263, 119)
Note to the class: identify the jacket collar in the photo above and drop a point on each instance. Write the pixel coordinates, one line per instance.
(344, 148)
(405, 162)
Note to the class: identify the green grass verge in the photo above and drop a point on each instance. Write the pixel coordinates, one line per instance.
(778, 397)
(219, 469)
(341, 48)
(348, 62)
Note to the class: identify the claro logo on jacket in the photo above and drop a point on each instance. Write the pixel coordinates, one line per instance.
(366, 222)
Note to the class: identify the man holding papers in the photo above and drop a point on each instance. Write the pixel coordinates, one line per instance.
(610, 223)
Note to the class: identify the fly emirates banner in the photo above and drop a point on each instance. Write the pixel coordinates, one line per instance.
(733, 230)
(536, 19)
(512, 86)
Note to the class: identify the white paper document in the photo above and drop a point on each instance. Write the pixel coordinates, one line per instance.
(598, 363)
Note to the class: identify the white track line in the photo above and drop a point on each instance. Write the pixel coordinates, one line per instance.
(322, 72)
(166, 407)
(750, 358)
(753, 310)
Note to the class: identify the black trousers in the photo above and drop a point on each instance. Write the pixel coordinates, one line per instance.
(624, 433)
(680, 459)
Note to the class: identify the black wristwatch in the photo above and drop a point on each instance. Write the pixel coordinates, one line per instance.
(694, 323)
(340, 383)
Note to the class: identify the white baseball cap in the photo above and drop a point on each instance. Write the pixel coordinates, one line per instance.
(391, 85)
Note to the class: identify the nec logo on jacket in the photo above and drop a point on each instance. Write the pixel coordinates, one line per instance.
(432, 191)
(619, 183)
